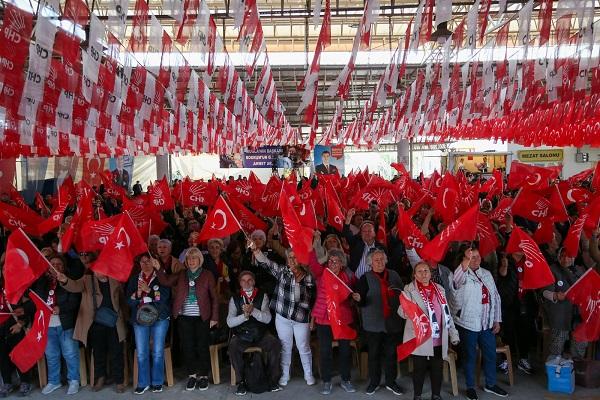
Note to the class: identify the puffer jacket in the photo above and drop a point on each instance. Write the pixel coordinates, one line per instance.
(448, 329)
(467, 309)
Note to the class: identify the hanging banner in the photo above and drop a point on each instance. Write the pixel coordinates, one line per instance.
(265, 157)
(8, 169)
(329, 159)
(64, 167)
(122, 170)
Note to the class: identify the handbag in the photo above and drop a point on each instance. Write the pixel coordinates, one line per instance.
(104, 316)
(146, 315)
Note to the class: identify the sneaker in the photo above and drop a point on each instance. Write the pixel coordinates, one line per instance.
(326, 388)
(73, 387)
(524, 366)
(191, 383)
(310, 380)
(497, 390)
(274, 388)
(283, 381)
(472, 394)
(436, 397)
(503, 367)
(51, 387)
(202, 383)
(157, 388)
(371, 389)
(395, 388)
(241, 389)
(5, 389)
(141, 390)
(348, 386)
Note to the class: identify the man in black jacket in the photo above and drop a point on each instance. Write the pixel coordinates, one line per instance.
(360, 244)
(248, 318)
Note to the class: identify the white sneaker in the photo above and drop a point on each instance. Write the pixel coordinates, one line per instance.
(49, 388)
(310, 380)
(73, 387)
(283, 381)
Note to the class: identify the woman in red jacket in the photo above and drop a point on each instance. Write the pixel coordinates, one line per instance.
(336, 263)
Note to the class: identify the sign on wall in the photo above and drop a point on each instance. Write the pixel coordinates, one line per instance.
(536, 156)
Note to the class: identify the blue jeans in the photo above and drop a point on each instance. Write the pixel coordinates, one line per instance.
(487, 343)
(61, 342)
(143, 334)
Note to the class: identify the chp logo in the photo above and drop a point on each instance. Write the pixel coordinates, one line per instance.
(196, 193)
(541, 210)
(532, 255)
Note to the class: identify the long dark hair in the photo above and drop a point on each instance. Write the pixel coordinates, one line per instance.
(462, 249)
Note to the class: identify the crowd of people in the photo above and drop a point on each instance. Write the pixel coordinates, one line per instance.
(251, 290)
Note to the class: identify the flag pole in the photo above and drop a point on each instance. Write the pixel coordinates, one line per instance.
(234, 217)
(339, 280)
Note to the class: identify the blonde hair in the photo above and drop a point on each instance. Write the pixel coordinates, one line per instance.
(194, 252)
(215, 240)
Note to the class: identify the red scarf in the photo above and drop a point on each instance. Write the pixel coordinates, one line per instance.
(250, 298)
(427, 293)
(485, 293)
(220, 268)
(520, 266)
(51, 293)
(383, 290)
(3, 302)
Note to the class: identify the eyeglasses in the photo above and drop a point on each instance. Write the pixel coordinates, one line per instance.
(84, 254)
(334, 261)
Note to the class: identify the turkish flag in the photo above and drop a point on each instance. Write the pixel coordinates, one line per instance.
(336, 292)
(571, 243)
(530, 176)
(536, 272)
(335, 216)
(8, 167)
(571, 195)
(421, 327)
(92, 168)
(29, 350)
(557, 206)
(220, 222)
(596, 178)
(544, 232)
(446, 202)
(247, 219)
(585, 294)
(122, 246)
(531, 206)
(306, 213)
(494, 185)
(23, 265)
(411, 235)
(300, 237)
(488, 241)
(198, 193)
(577, 179)
(14, 218)
(464, 228)
(160, 195)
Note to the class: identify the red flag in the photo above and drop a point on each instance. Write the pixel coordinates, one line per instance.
(41, 204)
(488, 241)
(420, 324)
(446, 202)
(8, 167)
(530, 176)
(94, 235)
(381, 229)
(494, 185)
(220, 222)
(577, 179)
(571, 195)
(336, 292)
(23, 265)
(247, 219)
(585, 294)
(464, 228)
(160, 195)
(122, 245)
(29, 350)
(544, 232)
(148, 222)
(596, 178)
(241, 190)
(198, 193)
(16, 197)
(536, 272)
(557, 206)
(335, 216)
(300, 237)
(92, 168)
(501, 209)
(531, 206)
(13, 218)
(571, 243)
(411, 235)
(306, 213)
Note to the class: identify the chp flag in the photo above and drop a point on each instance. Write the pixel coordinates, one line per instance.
(585, 294)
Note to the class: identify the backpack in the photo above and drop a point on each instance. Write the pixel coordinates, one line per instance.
(256, 378)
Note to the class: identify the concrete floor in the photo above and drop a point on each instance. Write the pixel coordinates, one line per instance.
(526, 388)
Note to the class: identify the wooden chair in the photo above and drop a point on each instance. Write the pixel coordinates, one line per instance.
(450, 363)
(168, 366)
(42, 368)
(248, 350)
(214, 361)
(500, 349)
